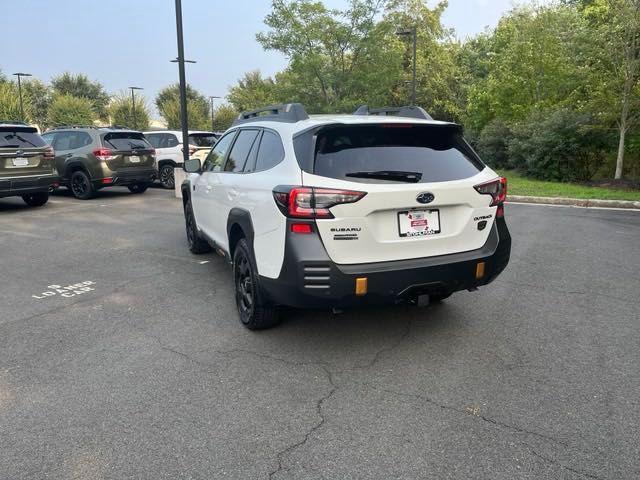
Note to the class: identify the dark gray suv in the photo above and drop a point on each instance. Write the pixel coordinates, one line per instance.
(90, 158)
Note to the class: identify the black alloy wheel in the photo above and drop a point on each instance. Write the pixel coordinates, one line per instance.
(166, 177)
(81, 186)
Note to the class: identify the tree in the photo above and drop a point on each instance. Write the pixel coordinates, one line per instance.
(124, 112)
(68, 110)
(79, 85)
(616, 58)
(9, 101)
(493, 143)
(253, 91)
(37, 98)
(223, 117)
(168, 104)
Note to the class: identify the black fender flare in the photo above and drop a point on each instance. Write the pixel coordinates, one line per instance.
(242, 218)
(71, 166)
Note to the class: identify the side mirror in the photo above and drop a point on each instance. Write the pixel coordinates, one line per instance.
(192, 165)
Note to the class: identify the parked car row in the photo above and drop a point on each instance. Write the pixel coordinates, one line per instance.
(87, 158)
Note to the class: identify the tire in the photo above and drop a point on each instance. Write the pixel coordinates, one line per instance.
(36, 199)
(254, 312)
(165, 175)
(197, 245)
(81, 186)
(138, 187)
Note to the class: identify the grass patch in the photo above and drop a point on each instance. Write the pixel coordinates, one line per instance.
(519, 185)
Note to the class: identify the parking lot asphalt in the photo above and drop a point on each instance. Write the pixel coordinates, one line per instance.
(142, 370)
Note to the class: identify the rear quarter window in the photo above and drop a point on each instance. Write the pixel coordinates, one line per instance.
(384, 153)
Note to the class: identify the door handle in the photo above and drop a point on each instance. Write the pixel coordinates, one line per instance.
(68, 155)
(209, 188)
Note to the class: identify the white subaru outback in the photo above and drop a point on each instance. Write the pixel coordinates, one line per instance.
(331, 211)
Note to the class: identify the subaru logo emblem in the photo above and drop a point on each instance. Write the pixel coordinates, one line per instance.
(19, 153)
(425, 197)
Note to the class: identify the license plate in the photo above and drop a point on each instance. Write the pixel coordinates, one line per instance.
(20, 162)
(418, 223)
(134, 159)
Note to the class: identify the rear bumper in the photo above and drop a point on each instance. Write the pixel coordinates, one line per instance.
(309, 279)
(11, 187)
(128, 177)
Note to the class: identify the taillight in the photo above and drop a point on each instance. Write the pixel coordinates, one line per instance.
(48, 153)
(104, 154)
(312, 202)
(496, 188)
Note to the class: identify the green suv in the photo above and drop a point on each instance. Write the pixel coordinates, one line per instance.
(27, 168)
(90, 158)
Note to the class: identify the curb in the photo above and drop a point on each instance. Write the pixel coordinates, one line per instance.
(576, 202)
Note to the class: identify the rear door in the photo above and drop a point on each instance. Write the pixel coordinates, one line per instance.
(420, 199)
(130, 150)
(23, 153)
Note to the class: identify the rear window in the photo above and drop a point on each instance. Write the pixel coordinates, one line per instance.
(202, 139)
(18, 137)
(126, 141)
(394, 153)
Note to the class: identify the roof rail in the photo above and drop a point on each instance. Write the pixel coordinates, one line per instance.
(407, 111)
(67, 127)
(286, 112)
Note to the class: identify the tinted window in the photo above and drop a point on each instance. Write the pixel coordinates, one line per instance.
(63, 141)
(48, 137)
(202, 139)
(240, 150)
(20, 137)
(271, 151)
(126, 141)
(73, 140)
(170, 141)
(394, 153)
(217, 153)
(154, 139)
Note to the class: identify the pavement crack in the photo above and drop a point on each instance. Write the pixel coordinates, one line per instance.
(285, 452)
(561, 465)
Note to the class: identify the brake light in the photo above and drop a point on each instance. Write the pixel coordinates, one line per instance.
(312, 202)
(104, 154)
(496, 188)
(304, 228)
(48, 153)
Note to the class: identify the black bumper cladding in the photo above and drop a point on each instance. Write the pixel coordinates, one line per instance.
(310, 279)
(122, 177)
(26, 185)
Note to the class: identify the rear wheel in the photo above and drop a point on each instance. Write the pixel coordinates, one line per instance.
(81, 185)
(197, 244)
(138, 187)
(166, 177)
(254, 313)
(36, 199)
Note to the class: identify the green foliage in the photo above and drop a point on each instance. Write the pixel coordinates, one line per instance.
(124, 112)
(79, 85)
(492, 144)
(9, 101)
(223, 117)
(69, 110)
(37, 99)
(168, 104)
(253, 91)
(558, 144)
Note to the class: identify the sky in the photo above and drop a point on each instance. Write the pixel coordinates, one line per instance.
(124, 43)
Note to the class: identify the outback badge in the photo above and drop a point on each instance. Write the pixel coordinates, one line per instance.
(425, 197)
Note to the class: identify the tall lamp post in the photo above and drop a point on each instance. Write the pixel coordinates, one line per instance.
(405, 33)
(20, 74)
(133, 106)
(211, 97)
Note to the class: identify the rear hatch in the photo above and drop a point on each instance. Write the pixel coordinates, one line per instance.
(418, 181)
(126, 150)
(24, 153)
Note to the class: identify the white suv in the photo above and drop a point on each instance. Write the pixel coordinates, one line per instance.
(342, 210)
(168, 145)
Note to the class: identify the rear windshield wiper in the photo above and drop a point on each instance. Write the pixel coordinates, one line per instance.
(392, 175)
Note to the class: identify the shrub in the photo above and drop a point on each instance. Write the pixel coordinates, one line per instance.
(121, 112)
(557, 145)
(68, 110)
(493, 142)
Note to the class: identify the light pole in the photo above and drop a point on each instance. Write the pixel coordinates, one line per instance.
(183, 82)
(211, 97)
(133, 106)
(20, 74)
(405, 33)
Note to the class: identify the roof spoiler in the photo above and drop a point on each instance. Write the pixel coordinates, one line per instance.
(285, 112)
(409, 112)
